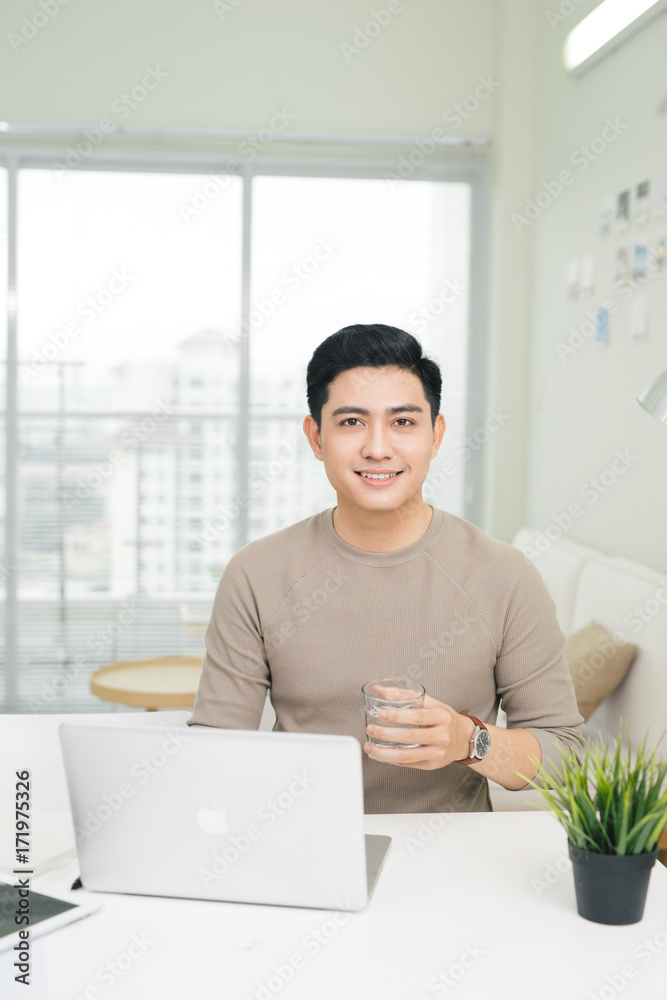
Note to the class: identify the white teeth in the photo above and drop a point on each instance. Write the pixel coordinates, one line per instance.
(372, 475)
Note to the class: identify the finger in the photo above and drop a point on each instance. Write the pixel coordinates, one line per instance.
(421, 736)
(437, 715)
(412, 757)
(430, 702)
(395, 693)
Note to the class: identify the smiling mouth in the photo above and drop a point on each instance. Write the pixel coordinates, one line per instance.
(383, 478)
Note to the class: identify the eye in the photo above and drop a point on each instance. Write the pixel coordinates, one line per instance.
(356, 418)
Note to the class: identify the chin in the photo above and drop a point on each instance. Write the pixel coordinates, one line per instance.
(374, 497)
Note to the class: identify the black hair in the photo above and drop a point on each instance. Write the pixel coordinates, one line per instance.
(371, 345)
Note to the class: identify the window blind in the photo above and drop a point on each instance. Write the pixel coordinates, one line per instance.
(158, 375)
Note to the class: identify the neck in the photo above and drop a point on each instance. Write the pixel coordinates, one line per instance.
(384, 530)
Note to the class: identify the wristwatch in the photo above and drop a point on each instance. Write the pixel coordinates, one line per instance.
(480, 743)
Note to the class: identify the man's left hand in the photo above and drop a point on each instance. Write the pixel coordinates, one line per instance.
(444, 735)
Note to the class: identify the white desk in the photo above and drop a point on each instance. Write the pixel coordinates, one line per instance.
(482, 903)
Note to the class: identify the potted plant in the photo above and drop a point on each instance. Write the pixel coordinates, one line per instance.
(614, 810)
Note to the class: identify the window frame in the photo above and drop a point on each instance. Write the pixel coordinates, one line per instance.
(470, 168)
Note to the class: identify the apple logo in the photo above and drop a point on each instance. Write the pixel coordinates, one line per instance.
(211, 819)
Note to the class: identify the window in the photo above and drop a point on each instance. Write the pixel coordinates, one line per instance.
(372, 251)
(131, 324)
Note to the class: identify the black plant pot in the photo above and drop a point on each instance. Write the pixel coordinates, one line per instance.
(611, 888)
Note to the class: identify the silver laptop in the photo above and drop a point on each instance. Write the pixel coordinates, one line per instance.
(224, 814)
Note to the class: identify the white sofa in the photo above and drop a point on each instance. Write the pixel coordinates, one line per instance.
(624, 597)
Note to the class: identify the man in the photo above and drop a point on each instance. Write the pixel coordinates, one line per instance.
(386, 585)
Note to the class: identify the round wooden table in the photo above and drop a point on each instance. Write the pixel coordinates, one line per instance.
(164, 682)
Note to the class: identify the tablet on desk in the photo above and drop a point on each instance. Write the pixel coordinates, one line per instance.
(44, 912)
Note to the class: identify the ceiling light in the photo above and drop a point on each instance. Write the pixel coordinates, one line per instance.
(604, 28)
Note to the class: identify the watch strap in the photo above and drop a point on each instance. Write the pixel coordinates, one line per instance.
(473, 759)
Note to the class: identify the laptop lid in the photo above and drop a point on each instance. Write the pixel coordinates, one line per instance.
(235, 815)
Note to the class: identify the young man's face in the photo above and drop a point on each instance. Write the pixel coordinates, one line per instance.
(403, 441)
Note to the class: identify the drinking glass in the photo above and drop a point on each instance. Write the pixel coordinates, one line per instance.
(391, 693)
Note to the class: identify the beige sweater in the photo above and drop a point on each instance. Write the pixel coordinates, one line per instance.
(303, 612)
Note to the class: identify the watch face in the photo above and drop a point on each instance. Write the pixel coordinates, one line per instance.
(482, 743)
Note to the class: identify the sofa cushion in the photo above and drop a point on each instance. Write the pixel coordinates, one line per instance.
(632, 606)
(598, 663)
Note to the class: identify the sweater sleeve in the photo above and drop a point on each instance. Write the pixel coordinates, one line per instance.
(235, 675)
(532, 676)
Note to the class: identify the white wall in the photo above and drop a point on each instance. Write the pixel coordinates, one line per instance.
(583, 409)
(505, 456)
(232, 71)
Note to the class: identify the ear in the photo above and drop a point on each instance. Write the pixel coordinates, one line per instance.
(313, 436)
(438, 434)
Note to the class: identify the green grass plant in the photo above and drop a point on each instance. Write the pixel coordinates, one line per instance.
(608, 803)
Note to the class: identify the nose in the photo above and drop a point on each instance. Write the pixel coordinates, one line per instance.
(378, 446)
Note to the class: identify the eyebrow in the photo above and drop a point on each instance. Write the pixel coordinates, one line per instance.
(390, 411)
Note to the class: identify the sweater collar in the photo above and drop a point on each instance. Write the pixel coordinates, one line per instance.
(382, 558)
